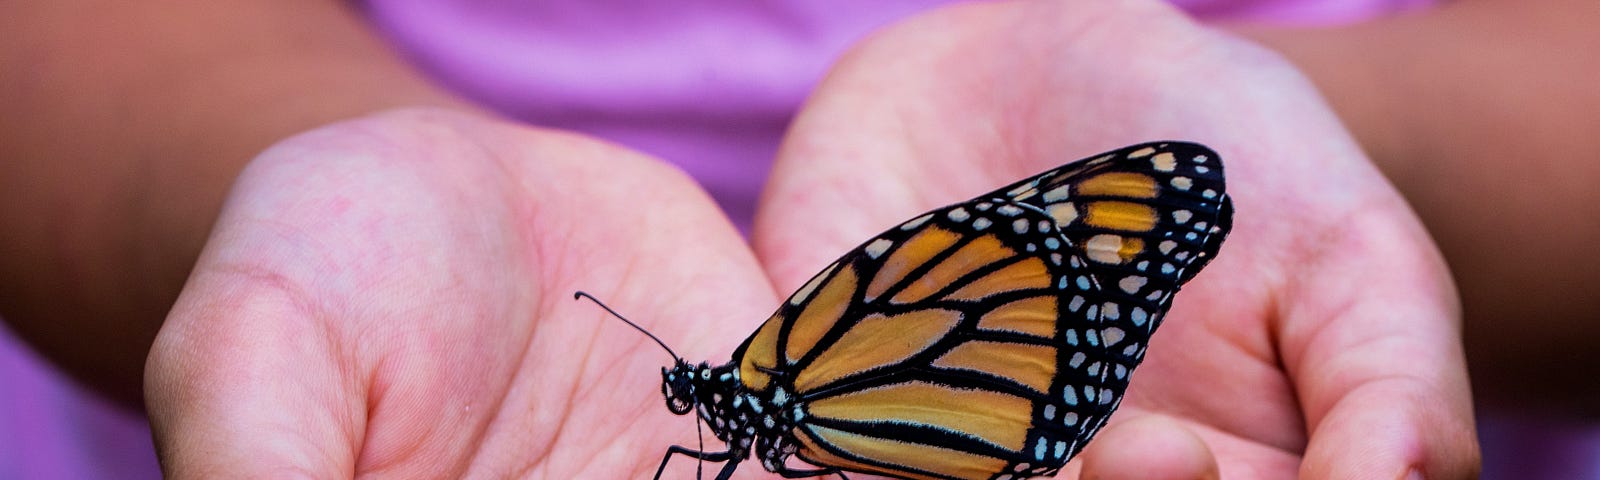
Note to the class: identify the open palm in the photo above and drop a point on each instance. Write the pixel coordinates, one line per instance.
(392, 297)
(1324, 340)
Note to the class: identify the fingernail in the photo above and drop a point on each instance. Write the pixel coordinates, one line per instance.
(1414, 475)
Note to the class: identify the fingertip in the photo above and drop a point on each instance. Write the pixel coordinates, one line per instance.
(1150, 447)
(1393, 430)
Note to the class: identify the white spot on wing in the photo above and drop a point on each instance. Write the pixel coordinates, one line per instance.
(1182, 183)
(916, 222)
(1164, 162)
(1057, 194)
(1104, 248)
(1112, 335)
(877, 247)
(1182, 216)
(1132, 283)
(1064, 213)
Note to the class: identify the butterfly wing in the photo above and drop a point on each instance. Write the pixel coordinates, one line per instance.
(989, 337)
(1147, 218)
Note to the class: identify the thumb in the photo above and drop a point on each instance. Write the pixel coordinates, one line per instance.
(241, 385)
(1124, 451)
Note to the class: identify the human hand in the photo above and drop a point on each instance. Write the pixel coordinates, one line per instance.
(1323, 343)
(392, 296)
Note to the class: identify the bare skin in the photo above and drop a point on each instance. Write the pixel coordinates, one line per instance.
(1482, 113)
(292, 288)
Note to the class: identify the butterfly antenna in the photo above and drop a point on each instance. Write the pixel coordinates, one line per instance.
(636, 326)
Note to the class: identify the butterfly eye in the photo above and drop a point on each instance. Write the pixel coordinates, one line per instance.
(678, 390)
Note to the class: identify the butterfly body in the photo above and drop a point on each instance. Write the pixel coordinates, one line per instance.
(989, 339)
(747, 421)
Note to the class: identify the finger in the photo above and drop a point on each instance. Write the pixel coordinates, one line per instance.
(219, 402)
(1376, 357)
(1150, 447)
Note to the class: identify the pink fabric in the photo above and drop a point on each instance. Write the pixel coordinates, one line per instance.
(707, 85)
(1302, 12)
(50, 428)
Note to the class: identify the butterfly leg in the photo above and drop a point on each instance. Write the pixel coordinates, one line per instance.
(724, 456)
(727, 469)
(791, 473)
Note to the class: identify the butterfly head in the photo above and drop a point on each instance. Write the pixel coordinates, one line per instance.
(678, 386)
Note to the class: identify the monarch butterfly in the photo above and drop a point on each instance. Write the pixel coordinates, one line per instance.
(990, 339)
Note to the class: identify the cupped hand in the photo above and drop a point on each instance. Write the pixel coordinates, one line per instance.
(1324, 340)
(393, 297)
